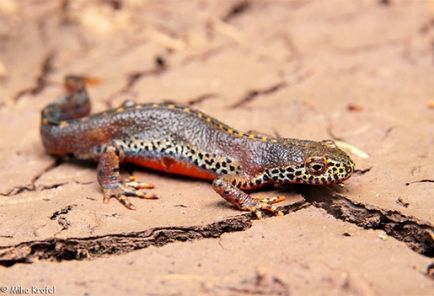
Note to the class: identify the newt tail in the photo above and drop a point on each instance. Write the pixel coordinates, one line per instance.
(180, 140)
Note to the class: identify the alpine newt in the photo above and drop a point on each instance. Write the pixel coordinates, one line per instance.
(178, 139)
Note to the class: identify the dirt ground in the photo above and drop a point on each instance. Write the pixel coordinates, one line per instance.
(361, 72)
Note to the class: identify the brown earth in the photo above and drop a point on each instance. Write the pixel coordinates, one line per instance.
(361, 72)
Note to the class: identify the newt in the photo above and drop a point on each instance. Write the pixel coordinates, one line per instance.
(181, 140)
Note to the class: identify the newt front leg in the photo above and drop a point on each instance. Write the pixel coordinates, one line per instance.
(230, 188)
(111, 184)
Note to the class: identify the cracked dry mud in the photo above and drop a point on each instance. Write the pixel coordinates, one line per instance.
(357, 71)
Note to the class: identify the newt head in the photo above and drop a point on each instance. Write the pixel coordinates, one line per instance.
(322, 163)
(327, 163)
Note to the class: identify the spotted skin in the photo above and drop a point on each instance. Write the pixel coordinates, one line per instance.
(180, 140)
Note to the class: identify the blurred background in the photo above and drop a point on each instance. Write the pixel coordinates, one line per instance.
(193, 51)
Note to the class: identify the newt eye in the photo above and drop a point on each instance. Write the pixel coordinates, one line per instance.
(316, 166)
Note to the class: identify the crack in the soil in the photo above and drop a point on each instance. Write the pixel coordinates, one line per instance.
(254, 93)
(32, 186)
(200, 99)
(62, 211)
(236, 10)
(160, 66)
(402, 202)
(294, 51)
(369, 47)
(418, 235)
(120, 243)
(362, 171)
(263, 283)
(41, 80)
(430, 271)
(420, 181)
(203, 56)
(384, 2)
(114, 4)
(331, 133)
(60, 217)
(427, 26)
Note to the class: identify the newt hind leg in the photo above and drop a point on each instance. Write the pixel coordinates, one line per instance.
(230, 188)
(113, 186)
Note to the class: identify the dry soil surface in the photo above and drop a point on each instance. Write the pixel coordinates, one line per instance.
(361, 72)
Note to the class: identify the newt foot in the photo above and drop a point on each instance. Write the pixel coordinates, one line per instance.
(265, 204)
(132, 182)
(121, 192)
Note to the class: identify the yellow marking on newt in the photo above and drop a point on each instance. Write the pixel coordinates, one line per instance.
(240, 134)
(208, 119)
(230, 131)
(118, 110)
(251, 136)
(155, 105)
(171, 106)
(264, 139)
(186, 109)
(63, 124)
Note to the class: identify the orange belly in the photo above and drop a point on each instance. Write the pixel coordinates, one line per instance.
(173, 166)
